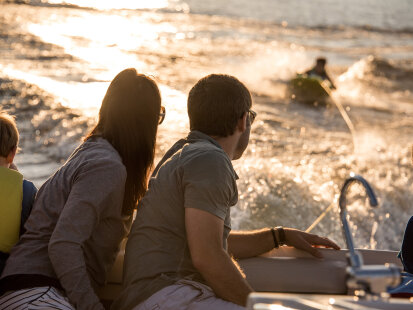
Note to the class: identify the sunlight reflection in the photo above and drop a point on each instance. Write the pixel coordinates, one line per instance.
(105, 41)
(88, 98)
(176, 125)
(83, 96)
(118, 4)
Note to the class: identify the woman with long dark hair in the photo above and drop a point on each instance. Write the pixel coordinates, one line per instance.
(84, 210)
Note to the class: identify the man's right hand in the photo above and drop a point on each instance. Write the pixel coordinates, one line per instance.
(308, 242)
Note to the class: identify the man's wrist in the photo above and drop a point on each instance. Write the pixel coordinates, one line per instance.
(278, 236)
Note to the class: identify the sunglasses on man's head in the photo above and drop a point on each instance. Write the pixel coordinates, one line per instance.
(162, 115)
(252, 115)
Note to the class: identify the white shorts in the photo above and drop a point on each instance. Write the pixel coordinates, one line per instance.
(188, 295)
(46, 297)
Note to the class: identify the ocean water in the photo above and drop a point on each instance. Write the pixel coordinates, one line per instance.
(58, 57)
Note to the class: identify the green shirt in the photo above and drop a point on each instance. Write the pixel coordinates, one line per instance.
(11, 195)
(194, 173)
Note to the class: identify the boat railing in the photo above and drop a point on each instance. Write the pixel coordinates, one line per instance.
(372, 280)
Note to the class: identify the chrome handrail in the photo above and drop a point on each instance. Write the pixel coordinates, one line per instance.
(355, 257)
(372, 279)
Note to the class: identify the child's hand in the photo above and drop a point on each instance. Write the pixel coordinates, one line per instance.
(13, 167)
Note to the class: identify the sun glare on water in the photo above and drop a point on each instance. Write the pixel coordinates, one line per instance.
(106, 44)
(118, 4)
(102, 40)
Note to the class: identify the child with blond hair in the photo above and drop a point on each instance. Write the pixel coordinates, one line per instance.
(16, 194)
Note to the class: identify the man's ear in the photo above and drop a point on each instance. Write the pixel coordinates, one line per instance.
(242, 122)
(11, 155)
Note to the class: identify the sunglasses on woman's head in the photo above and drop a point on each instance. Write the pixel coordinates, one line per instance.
(162, 115)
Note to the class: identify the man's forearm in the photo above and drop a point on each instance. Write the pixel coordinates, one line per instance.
(250, 243)
(225, 278)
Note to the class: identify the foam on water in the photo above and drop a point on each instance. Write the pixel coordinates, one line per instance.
(379, 83)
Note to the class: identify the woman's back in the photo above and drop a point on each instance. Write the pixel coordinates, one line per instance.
(84, 210)
(54, 223)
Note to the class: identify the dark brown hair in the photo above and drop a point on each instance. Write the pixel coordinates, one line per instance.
(128, 119)
(321, 60)
(216, 103)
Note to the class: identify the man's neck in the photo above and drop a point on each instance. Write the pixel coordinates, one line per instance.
(228, 144)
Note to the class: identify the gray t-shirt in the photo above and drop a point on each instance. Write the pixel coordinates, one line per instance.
(194, 173)
(76, 225)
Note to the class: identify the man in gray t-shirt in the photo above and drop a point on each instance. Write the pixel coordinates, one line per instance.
(178, 255)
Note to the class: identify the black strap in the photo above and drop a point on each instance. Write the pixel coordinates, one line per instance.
(22, 281)
(276, 243)
(281, 234)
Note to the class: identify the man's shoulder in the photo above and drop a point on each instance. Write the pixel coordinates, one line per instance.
(207, 163)
(204, 146)
(196, 158)
(205, 153)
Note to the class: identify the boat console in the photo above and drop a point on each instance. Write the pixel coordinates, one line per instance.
(270, 301)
